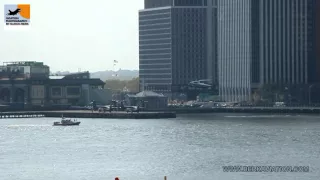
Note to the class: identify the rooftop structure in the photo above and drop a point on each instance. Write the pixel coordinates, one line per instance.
(148, 94)
(23, 63)
(148, 100)
(24, 70)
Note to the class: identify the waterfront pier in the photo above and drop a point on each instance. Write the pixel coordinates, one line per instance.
(88, 114)
(5, 115)
(278, 110)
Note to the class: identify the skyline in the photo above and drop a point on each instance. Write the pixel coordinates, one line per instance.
(66, 43)
(247, 44)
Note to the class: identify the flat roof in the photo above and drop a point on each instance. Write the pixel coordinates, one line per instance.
(24, 63)
(55, 81)
(157, 8)
(56, 77)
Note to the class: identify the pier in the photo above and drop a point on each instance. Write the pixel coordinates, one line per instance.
(166, 113)
(88, 114)
(280, 110)
(5, 115)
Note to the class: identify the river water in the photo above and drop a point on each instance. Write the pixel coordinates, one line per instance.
(189, 147)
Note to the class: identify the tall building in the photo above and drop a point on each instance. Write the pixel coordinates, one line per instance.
(317, 45)
(287, 50)
(265, 42)
(177, 43)
(157, 3)
(235, 48)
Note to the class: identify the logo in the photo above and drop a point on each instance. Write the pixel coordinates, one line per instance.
(17, 15)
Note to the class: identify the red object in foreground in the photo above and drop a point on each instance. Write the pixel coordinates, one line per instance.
(116, 178)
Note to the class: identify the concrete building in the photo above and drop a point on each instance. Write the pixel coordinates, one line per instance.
(29, 84)
(177, 44)
(148, 100)
(266, 42)
(77, 89)
(287, 51)
(235, 49)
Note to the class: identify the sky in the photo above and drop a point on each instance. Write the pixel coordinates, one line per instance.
(69, 35)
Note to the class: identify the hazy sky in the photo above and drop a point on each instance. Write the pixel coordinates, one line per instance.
(72, 34)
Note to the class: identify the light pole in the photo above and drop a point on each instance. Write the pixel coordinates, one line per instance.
(310, 93)
(286, 96)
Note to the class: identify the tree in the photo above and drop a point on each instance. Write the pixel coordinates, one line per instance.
(118, 85)
(114, 84)
(133, 85)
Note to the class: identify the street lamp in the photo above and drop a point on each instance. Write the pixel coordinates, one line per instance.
(286, 96)
(310, 93)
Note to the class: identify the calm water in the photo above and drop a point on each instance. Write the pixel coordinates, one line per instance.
(187, 148)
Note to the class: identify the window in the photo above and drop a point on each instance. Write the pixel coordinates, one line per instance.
(73, 91)
(56, 91)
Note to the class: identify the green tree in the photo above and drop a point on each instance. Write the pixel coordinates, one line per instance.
(114, 84)
(118, 85)
(133, 85)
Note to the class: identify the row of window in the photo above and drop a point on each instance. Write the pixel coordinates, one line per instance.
(155, 71)
(153, 15)
(153, 61)
(164, 3)
(189, 2)
(156, 81)
(155, 36)
(157, 88)
(70, 91)
(157, 3)
(65, 101)
(154, 56)
(143, 42)
(154, 65)
(154, 26)
(154, 51)
(154, 20)
(154, 31)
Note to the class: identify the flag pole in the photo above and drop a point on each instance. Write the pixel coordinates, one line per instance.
(114, 64)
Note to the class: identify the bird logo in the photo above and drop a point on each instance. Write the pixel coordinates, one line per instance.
(13, 13)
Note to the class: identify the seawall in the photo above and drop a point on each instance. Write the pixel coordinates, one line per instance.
(89, 114)
(284, 110)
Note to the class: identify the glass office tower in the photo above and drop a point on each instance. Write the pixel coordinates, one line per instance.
(177, 44)
(265, 42)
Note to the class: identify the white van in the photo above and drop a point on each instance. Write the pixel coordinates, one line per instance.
(279, 104)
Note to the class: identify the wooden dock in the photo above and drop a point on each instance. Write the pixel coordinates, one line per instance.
(88, 114)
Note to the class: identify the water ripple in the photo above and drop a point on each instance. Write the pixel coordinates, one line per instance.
(186, 148)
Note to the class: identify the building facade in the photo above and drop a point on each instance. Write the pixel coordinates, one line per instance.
(266, 43)
(29, 84)
(157, 3)
(287, 46)
(148, 100)
(235, 49)
(177, 44)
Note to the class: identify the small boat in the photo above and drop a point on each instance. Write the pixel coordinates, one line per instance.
(67, 122)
